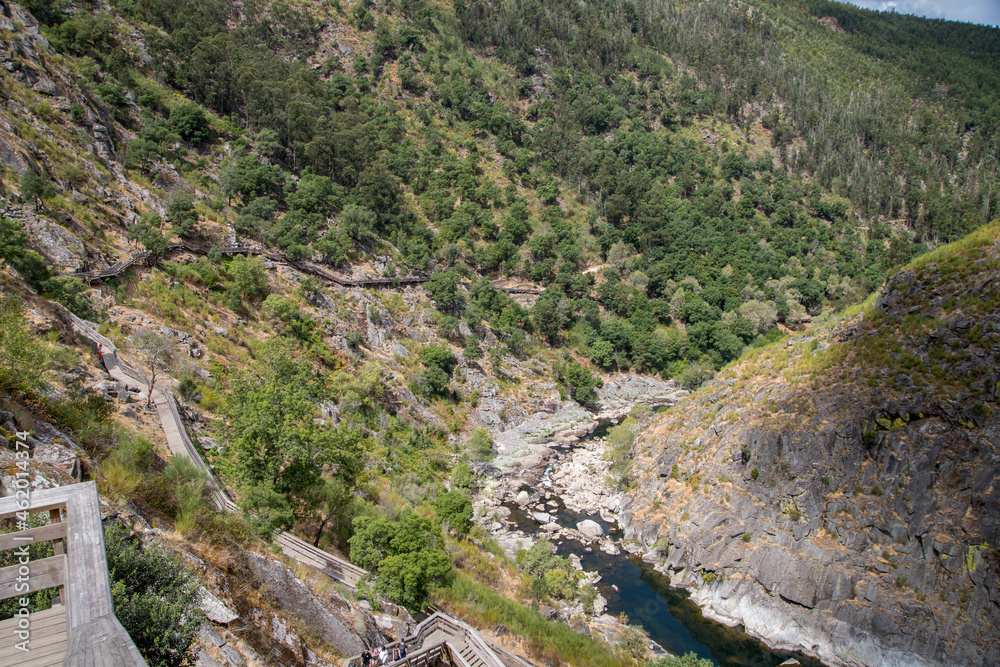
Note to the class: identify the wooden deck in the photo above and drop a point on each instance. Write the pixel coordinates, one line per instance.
(49, 639)
(83, 631)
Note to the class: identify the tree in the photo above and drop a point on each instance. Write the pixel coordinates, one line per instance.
(439, 362)
(454, 509)
(621, 256)
(155, 598)
(156, 352)
(443, 288)
(602, 353)
(190, 122)
(580, 381)
(147, 233)
(404, 554)
(36, 188)
(338, 486)
(22, 359)
(761, 314)
(248, 278)
(26, 262)
(547, 319)
(618, 450)
(273, 439)
(480, 446)
(461, 476)
(358, 223)
(314, 194)
(141, 153)
(181, 213)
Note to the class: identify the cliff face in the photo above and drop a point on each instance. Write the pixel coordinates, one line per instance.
(839, 493)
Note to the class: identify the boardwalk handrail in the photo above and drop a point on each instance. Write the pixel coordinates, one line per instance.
(79, 568)
(489, 652)
(306, 267)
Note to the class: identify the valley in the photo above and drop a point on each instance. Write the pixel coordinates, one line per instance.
(623, 334)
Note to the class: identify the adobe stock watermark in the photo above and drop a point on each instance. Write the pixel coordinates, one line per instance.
(22, 584)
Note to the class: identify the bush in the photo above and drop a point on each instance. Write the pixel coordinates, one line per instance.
(454, 509)
(687, 660)
(481, 446)
(155, 599)
(439, 362)
(267, 511)
(190, 122)
(461, 476)
(354, 339)
(618, 450)
(578, 380)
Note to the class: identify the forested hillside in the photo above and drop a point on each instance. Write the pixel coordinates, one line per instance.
(725, 167)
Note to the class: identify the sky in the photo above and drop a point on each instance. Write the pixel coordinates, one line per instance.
(984, 12)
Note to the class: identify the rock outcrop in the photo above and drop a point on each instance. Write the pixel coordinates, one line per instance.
(839, 494)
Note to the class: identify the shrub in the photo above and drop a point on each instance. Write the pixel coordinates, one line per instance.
(687, 660)
(354, 339)
(481, 446)
(579, 380)
(455, 510)
(267, 510)
(155, 599)
(618, 450)
(461, 476)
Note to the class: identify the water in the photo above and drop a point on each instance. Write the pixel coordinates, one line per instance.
(645, 596)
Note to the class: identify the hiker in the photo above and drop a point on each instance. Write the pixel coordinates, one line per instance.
(383, 656)
(402, 651)
(366, 658)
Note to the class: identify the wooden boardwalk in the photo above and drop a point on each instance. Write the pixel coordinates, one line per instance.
(319, 272)
(442, 639)
(83, 631)
(180, 445)
(49, 639)
(145, 257)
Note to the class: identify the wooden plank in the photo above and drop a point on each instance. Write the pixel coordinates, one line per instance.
(88, 587)
(54, 660)
(44, 573)
(37, 646)
(53, 531)
(10, 507)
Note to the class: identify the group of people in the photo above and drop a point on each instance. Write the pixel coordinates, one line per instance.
(383, 656)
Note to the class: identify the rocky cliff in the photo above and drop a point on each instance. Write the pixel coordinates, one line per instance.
(839, 492)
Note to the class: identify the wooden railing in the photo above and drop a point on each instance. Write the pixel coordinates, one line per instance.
(306, 267)
(93, 635)
(480, 649)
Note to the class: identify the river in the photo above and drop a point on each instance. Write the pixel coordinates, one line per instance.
(645, 596)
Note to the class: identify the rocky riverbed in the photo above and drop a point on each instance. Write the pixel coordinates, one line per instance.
(555, 486)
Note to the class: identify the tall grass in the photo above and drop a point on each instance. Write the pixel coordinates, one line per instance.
(549, 641)
(988, 233)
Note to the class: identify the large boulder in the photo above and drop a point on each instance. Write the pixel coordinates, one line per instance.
(590, 529)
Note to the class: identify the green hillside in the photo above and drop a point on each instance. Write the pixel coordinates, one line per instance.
(730, 168)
